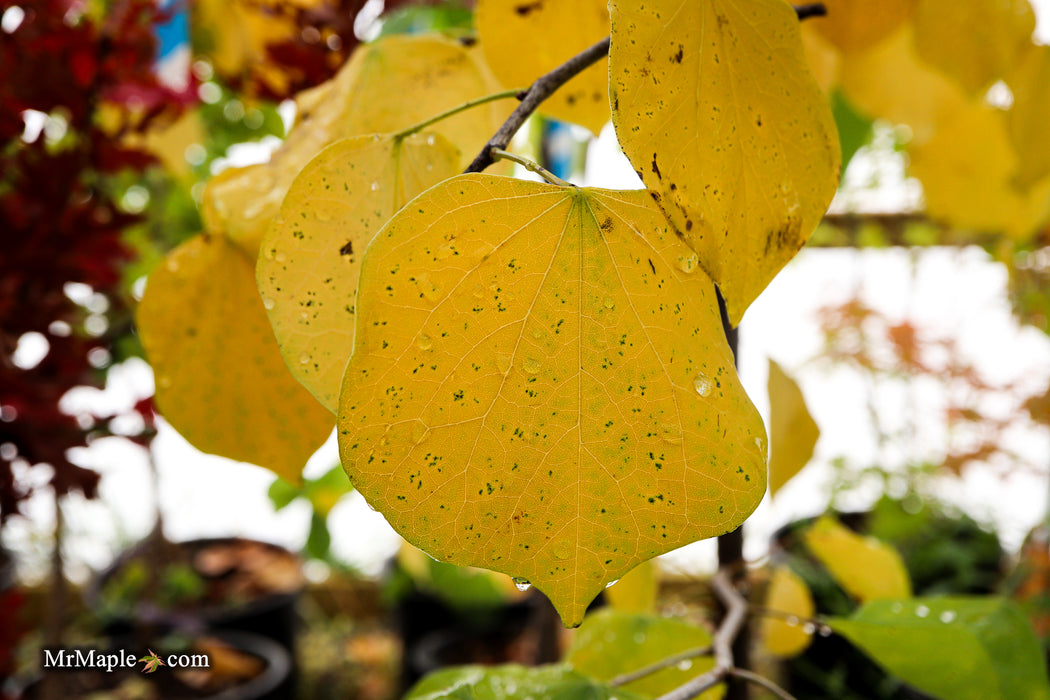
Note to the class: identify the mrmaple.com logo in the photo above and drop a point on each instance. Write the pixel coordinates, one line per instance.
(110, 661)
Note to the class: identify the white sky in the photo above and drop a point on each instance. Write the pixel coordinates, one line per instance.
(957, 292)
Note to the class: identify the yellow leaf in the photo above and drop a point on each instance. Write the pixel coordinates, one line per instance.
(891, 82)
(966, 180)
(787, 594)
(524, 39)
(1029, 126)
(866, 568)
(311, 255)
(540, 385)
(824, 59)
(976, 42)
(220, 378)
(636, 591)
(388, 85)
(718, 112)
(792, 431)
(856, 25)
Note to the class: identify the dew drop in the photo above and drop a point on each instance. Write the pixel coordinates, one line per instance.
(759, 444)
(280, 257)
(521, 584)
(824, 631)
(370, 506)
(948, 616)
(268, 304)
(305, 358)
(609, 303)
(792, 621)
(430, 166)
(538, 333)
(612, 583)
(687, 263)
(323, 216)
(702, 383)
(445, 251)
(503, 363)
(639, 638)
(922, 611)
(809, 628)
(269, 254)
(562, 550)
(685, 665)
(375, 186)
(530, 365)
(429, 290)
(897, 608)
(424, 341)
(430, 139)
(304, 315)
(671, 433)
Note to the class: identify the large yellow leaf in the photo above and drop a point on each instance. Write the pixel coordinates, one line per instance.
(792, 431)
(220, 378)
(636, 592)
(540, 385)
(311, 255)
(856, 25)
(523, 39)
(716, 108)
(389, 85)
(866, 568)
(788, 595)
(823, 58)
(966, 179)
(976, 42)
(891, 82)
(1029, 125)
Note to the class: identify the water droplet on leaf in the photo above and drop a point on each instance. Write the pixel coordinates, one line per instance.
(305, 358)
(922, 611)
(530, 365)
(612, 583)
(268, 304)
(522, 584)
(687, 263)
(702, 383)
(948, 616)
(424, 341)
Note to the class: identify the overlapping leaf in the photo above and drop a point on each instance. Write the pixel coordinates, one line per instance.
(792, 431)
(612, 643)
(540, 385)
(513, 682)
(1028, 123)
(220, 378)
(856, 25)
(956, 648)
(865, 567)
(891, 82)
(523, 39)
(388, 85)
(716, 108)
(976, 42)
(636, 592)
(788, 595)
(311, 255)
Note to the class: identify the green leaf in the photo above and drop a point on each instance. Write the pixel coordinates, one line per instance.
(611, 643)
(540, 385)
(319, 538)
(958, 648)
(716, 108)
(281, 493)
(513, 682)
(855, 128)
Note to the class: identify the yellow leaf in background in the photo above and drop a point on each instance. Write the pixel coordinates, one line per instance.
(891, 82)
(388, 85)
(716, 108)
(787, 594)
(966, 171)
(824, 59)
(636, 591)
(1029, 123)
(169, 141)
(866, 568)
(976, 42)
(792, 431)
(311, 255)
(220, 379)
(540, 385)
(524, 39)
(857, 25)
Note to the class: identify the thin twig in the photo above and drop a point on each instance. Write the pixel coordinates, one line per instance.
(539, 91)
(546, 85)
(762, 681)
(660, 665)
(721, 643)
(532, 166)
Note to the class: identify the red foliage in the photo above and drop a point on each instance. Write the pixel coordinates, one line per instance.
(57, 224)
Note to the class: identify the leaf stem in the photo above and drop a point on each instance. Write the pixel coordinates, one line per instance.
(660, 665)
(506, 94)
(531, 166)
(769, 685)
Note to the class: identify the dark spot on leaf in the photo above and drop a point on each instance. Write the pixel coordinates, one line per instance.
(529, 8)
(651, 266)
(677, 58)
(656, 168)
(607, 224)
(347, 249)
(688, 224)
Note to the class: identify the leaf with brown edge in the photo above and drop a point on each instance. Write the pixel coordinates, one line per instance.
(715, 106)
(540, 385)
(524, 39)
(220, 378)
(792, 431)
(310, 258)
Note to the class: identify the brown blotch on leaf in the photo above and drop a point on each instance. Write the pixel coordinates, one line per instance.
(677, 58)
(784, 238)
(656, 169)
(527, 9)
(607, 224)
(347, 249)
(688, 224)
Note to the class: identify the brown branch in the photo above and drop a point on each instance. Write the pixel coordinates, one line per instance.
(546, 85)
